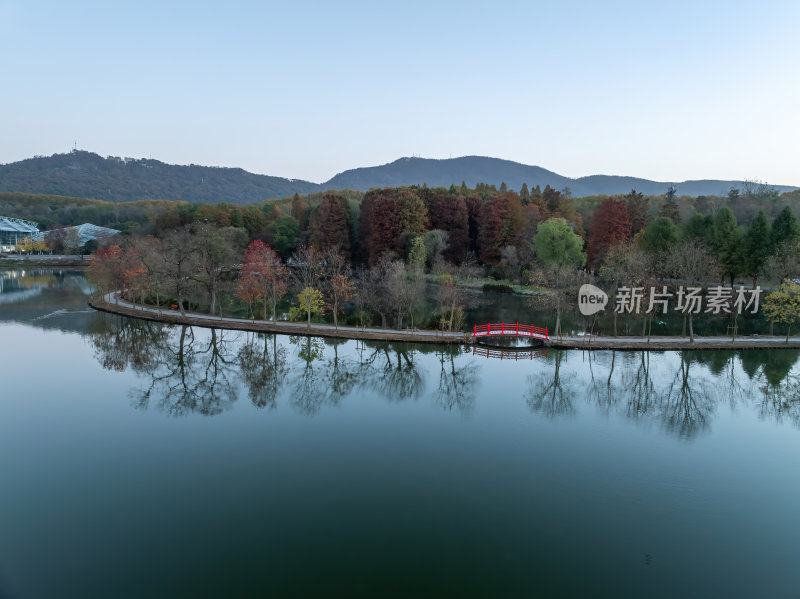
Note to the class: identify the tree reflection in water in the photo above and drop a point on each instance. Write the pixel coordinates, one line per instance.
(686, 405)
(120, 343)
(780, 389)
(341, 374)
(262, 370)
(200, 370)
(457, 384)
(552, 393)
(187, 374)
(307, 393)
(680, 396)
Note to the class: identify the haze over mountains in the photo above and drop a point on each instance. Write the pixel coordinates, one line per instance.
(87, 175)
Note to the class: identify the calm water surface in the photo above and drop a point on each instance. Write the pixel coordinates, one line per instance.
(140, 460)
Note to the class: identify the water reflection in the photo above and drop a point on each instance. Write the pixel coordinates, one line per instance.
(187, 373)
(263, 366)
(457, 383)
(552, 392)
(190, 370)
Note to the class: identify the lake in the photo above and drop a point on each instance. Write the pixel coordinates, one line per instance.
(143, 460)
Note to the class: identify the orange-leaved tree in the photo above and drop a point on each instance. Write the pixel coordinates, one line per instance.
(105, 271)
(263, 276)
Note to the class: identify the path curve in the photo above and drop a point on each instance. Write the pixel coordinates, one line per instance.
(111, 303)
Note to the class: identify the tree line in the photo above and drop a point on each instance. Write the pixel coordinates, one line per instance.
(385, 242)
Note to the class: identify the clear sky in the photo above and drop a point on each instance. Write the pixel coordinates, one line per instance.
(664, 90)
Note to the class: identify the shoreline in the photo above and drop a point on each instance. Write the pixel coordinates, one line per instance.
(125, 308)
(44, 260)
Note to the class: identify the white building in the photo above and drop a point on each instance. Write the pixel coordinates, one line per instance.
(85, 232)
(13, 230)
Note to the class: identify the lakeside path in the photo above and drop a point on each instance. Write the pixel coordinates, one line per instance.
(673, 342)
(109, 303)
(125, 308)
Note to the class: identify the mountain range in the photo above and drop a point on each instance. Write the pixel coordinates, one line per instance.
(88, 175)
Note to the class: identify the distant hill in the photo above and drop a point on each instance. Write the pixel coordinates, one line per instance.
(479, 169)
(87, 175)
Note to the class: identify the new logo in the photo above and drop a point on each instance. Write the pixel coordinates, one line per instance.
(591, 299)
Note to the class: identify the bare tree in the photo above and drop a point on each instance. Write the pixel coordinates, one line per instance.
(215, 253)
(178, 263)
(152, 256)
(624, 263)
(692, 263)
(561, 281)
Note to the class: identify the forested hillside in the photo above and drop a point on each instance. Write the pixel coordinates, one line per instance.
(87, 175)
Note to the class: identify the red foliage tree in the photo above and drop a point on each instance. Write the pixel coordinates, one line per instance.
(610, 225)
(329, 226)
(448, 212)
(380, 224)
(501, 224)
(263, 277)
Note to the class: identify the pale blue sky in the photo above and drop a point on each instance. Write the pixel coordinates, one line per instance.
(667, 90)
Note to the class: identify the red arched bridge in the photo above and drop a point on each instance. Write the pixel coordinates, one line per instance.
(510, 330)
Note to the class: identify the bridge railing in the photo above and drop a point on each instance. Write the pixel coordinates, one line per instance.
(505, 328)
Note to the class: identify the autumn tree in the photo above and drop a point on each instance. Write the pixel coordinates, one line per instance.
(501, 224)
(340, 290)
(307, 272)
(552, 200)
(105, 271)
(299, 211)
(309, 301)
(379, 224)
(329, 225)
(134, 274)
(449, 213)
(336, 282)
(638, 208)
(262, 277)
(413, 213)
(784, 305)
(610, 226)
